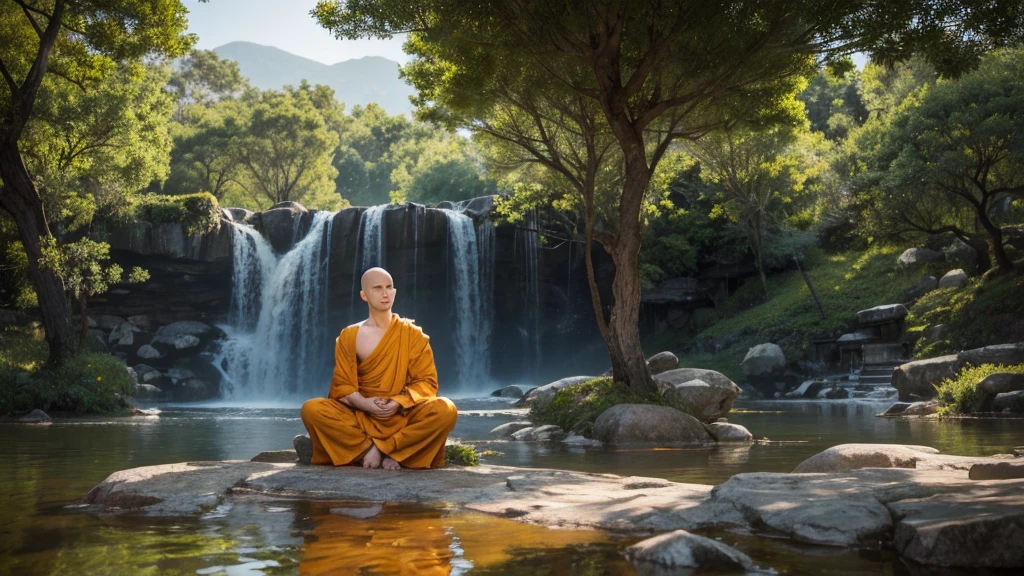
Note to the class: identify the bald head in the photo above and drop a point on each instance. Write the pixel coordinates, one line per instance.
(375, 277)
(378, 289)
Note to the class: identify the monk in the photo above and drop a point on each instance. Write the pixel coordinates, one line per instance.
(382, 410)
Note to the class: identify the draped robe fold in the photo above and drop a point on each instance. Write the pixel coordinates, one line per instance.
(401, 367)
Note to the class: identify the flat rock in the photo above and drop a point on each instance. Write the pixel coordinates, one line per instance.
(681, 549)
(996, 470)
(930, 514)
(926, 408)
(509, 428)
(1007, 354)
(884, 313)
(969, 529)
(625, 424)
(725, 432)
(857, 337)
(276, 457)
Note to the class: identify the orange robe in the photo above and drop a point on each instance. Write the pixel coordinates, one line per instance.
(401, 367)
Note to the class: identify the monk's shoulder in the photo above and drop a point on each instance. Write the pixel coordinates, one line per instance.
(415, 331)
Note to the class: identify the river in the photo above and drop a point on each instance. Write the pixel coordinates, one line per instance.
(48, 469)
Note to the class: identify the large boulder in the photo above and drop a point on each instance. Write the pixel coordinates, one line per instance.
(854, 456)
(916, 380)
(1006, 354)
(1012, 402)
(764, 361)
(512, 391)
(36, 416)
(284, 225)
(649, 424)
(182, 338)
(884, 313)
(546, 393)
(956, 279)
(662, 362)
(1001, 382)
(683, 550)
(914, 256)
(924, 286)
(703, 394)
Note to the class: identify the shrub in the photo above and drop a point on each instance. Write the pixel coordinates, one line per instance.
(90, 383)
(459, 454)
(196, 212)
(959, 395)
(575, 408)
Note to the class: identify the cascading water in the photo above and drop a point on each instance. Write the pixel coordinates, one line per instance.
(471, 313)
(253, 263)
(374, 249)
(288, 351)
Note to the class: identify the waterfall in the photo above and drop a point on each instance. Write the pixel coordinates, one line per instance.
(470, 312)
(253, 261)
(372, 225)
(285, 353)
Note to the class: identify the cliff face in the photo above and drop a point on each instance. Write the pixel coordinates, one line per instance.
(538, 321)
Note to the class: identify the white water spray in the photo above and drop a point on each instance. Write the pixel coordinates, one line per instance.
(472, 314)
(285, 353)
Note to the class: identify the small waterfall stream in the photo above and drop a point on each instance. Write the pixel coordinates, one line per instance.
(471, 312)
(253, 263)
(287, 351)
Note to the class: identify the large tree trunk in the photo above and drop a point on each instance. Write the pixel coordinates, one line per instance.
(628, 362)
(21, 200)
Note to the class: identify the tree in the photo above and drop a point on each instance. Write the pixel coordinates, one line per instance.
(202, 157)
(762, 175)
(204, 78)
(833, 101)
(655, 72)
(285, 151)
(80, 42)
(944, 159)
(439, 168)
(81, 266)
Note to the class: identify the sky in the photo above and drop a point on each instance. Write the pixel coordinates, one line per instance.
(284, 24)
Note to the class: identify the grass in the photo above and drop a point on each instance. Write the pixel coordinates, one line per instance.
(959, 395)
(90, 383)
(982, 313)
(459, 454)
(575, 408)
(846, 283)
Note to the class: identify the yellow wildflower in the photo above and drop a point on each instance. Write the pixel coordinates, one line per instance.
(99, 378)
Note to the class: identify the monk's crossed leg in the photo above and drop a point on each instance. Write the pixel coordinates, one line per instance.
(334, 429)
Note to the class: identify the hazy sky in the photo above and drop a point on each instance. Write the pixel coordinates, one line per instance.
(284, 24)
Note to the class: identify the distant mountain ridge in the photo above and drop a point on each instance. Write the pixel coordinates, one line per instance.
(359, 81)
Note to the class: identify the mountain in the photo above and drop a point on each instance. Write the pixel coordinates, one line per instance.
(360, 81)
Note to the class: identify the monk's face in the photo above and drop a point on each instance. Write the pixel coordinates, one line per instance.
(378, 289)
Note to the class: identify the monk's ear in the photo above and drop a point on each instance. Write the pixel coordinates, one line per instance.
(362, 295)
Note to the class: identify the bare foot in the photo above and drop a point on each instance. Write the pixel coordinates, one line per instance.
(391, 464)
(372, 458)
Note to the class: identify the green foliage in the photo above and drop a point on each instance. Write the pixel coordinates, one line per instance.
(575, 408)
(197, 213)
(834, 104)
(203, 78)
(983, 313)
(959, 395)
(458, 454)
(846, 283)
(80, 265)
(90, 383)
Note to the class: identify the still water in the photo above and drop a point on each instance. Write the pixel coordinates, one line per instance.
(46, 471)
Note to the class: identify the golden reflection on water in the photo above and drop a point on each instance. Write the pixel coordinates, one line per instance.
(430, 541)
